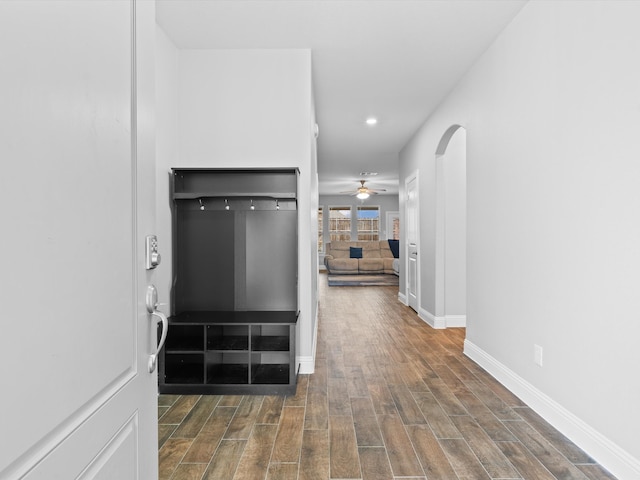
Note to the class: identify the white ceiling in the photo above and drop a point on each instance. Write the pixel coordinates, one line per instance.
(393, 59)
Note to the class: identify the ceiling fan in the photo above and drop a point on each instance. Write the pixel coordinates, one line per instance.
(363, 192)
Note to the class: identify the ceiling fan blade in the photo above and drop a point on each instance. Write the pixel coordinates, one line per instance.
(363, 189)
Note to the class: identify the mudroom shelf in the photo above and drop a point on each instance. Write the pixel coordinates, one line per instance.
(230, 353)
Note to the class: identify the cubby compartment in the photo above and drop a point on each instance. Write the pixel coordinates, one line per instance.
(227, 337)
(270, 338)
(183, 368)
(270, 368)
(185, 338)
(227, 368)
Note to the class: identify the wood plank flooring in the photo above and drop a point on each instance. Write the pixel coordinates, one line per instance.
(391, 398)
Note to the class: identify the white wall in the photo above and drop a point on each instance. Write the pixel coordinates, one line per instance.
(552, 114)
(241, 109)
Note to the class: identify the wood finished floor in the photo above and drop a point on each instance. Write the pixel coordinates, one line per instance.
(391, 398)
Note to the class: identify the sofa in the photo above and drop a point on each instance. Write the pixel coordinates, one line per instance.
(352, 258)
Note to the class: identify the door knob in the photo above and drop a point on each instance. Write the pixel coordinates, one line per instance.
(151, 304)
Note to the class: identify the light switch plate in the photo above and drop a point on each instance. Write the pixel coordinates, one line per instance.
(537, 354)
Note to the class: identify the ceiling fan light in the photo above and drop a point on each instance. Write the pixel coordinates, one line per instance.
(362, 195)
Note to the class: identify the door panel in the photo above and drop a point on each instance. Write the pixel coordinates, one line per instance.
(93, 450)
(413, 277)
(121, 451)
(74, 344)
(413, 271)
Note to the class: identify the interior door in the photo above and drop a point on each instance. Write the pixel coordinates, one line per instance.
(413, 270)
(76, 199)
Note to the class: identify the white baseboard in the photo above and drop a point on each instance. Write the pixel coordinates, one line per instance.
(615, 459)
(402, 298)
(307, 365)
(455, 321)
(448, 321)
(431, 320)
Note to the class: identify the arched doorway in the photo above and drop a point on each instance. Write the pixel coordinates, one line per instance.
(451, 220)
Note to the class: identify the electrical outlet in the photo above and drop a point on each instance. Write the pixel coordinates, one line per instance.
(537, 355)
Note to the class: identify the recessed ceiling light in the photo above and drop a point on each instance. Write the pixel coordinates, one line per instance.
(371, 121)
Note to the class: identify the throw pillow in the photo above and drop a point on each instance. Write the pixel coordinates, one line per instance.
(394, 245)
(355, 252)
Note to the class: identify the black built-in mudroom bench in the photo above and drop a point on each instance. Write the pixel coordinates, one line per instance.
(232, 328)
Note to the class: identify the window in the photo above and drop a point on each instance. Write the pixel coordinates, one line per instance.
(368, 223)
(396, 228)
(320, 231)
(340, 223)
(393, 225)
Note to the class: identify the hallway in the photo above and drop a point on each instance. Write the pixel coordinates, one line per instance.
(391, 398)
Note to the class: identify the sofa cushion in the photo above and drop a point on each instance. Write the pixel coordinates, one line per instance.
(370, 265)
(340, 253)
(370, 249)
(389, 265)
(343, 265)
(340, 249)
(355, 252)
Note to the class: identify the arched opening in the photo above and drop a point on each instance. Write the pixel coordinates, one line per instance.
(451, 220)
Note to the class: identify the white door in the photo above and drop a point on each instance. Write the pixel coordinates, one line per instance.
(76, 199)
(413, 270)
